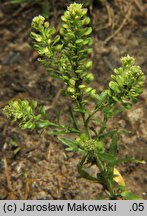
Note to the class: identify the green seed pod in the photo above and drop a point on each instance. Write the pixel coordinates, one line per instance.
(88, 90)
(70, 90)
(89, 77)
(82, 86)
(88, 64)
(72, 82)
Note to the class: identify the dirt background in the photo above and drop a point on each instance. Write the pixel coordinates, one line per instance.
(34, 165)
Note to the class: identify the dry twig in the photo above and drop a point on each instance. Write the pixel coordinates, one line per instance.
(128, 14)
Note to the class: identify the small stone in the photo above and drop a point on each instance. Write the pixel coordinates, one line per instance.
(135, 115)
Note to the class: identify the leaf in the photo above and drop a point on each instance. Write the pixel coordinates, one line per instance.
(101, 98)
(56, 39)
(113, 145)
(57, 132)
(43, 123)
(46, 123)
(128, 195)
(72, 145)
(85, 174)
(111, 159)
(112, 132)
(129, 159)
(118, 178)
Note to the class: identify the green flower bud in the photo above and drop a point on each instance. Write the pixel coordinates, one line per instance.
(91, 146)
(38, 20)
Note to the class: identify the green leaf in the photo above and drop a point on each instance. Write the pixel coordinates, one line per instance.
(101, 98)
(58, 47)
(113, 132)
(43, 123)
(113, 145)
(108, 157)
(72, 145)
(129, 159)
(85, 174)
(58, 132)
(56, 39)
(46, 123)
(128, 195)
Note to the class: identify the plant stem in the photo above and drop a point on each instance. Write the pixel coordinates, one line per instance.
(106, 180)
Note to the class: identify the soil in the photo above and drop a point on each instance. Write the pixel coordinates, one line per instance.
(34, 165)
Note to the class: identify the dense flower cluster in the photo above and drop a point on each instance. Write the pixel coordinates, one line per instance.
(65, 55)
(128, 82)
(22, 110)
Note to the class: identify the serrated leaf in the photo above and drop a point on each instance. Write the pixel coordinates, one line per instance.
(58, 47)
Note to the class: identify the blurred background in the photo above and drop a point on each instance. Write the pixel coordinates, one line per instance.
(34, 165)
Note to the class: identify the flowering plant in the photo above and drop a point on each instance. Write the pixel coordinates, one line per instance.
(66, 57)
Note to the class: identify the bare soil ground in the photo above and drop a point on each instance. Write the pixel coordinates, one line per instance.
(34, 165)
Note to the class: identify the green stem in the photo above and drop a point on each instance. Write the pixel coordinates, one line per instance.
(106, 180)
(86, 128)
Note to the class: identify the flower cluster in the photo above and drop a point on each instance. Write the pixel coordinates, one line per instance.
(65, 55)
(22, 110)
(128, 82)
(92, 146)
